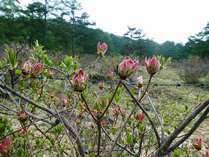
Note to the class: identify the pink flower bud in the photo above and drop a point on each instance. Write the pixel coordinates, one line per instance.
(140, 116)
(127, 67)
(22, 116)
(140, 81)
(5, 145)
(64, 101)
(116, 111)
(22, 131)
(197, 143)
(79, 80)
(152, 64)
(207, 153)
(27, 67)
(101, 48)
(37, 69)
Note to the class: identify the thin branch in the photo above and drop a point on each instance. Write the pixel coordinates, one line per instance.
(195, 126)
(141, 142)
(116, 89)
(181, 127)
(120, 131)
(25, 98)
(119, 145)
(87, 107)
(145, 112)
(160, 119)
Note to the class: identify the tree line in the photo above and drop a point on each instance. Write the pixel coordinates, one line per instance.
(61, 25)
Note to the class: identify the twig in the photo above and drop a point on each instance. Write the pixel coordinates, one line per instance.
(116, 89)
(119, 145)
(159, 119)
(120, 131)
(87, 107)
(145, 112)
(181, 127)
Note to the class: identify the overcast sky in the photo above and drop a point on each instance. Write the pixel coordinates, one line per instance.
(160, 20)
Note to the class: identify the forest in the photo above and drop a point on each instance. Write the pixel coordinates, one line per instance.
(62, 26)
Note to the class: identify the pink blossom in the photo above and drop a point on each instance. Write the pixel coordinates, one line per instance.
(101, 48)
(116, 110)
(27, 67)
(5, 145)
(152, 64)
(197, 143)
(140, 116)
(32, 68)
(22, 116)
(22, 131)
(64, 100)
(37, 68)
(127, 67)
(79, 80)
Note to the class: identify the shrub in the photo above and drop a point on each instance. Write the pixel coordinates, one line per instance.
(193, 69)
(79, 118)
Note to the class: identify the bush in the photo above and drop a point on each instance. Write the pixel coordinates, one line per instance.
(193, 69)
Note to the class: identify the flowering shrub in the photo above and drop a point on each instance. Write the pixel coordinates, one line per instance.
(56, 110)
(101, 48)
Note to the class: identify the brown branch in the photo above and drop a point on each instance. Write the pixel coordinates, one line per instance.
(145, 112)
(195, 126)
(116, 89)
(88, 108)
(119, 145)
(164, 147)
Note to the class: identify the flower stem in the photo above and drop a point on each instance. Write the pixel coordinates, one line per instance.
(99, 138)
(105, 110)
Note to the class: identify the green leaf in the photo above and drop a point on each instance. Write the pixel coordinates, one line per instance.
(11, 57)
(129, 138)
(68, 61)
(177, 153)
(18, 72)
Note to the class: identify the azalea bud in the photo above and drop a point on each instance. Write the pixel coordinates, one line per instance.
(5, 145)
(64, 101)
(197, 143)
(79, 80)
(140, 81)
(101, 48)
(22, 131)
(101, 85)
(22, 116)
(109, 74)
(116, 110)
(27, 68)
(207, 153)
(37, 69)
(127, 67)
(152, 65)
(140, 116)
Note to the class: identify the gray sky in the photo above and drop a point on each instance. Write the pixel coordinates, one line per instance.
(160, 20)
